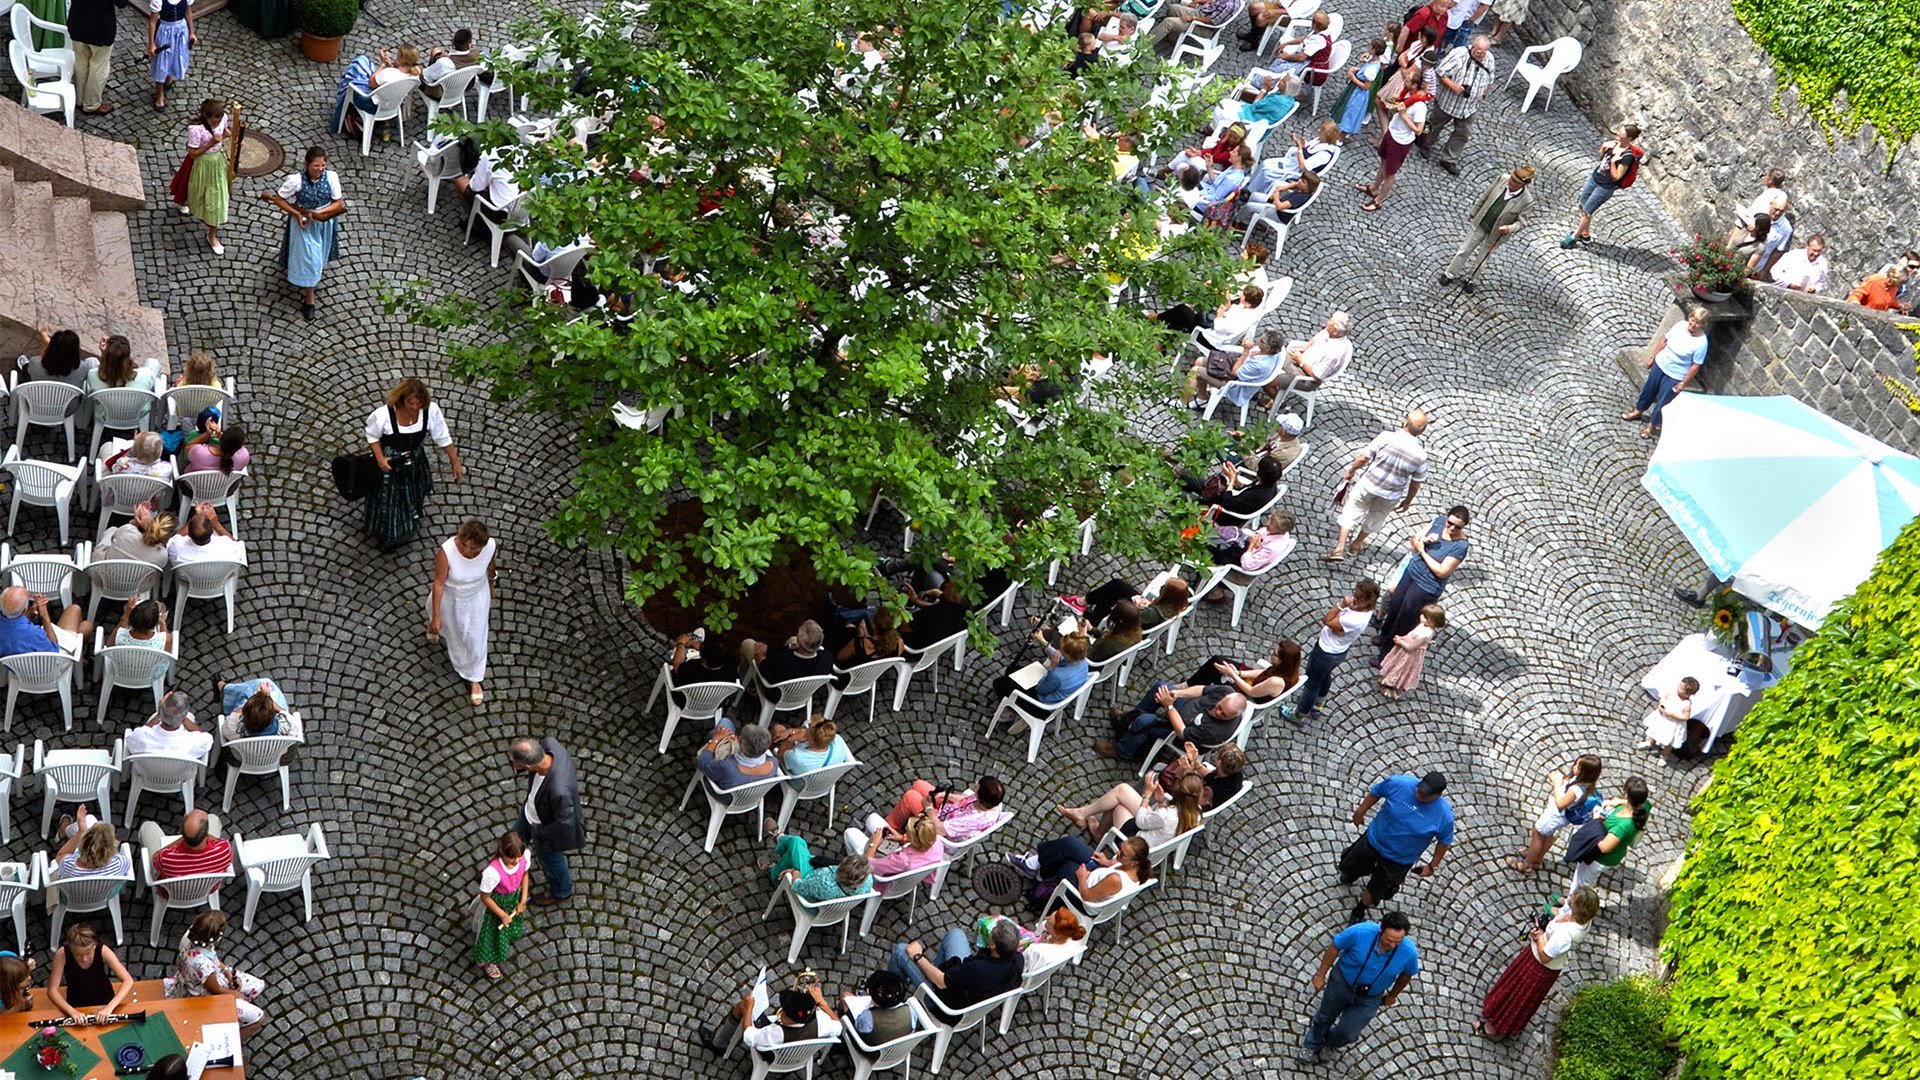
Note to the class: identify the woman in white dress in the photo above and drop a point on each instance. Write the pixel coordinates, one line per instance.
(463, 573)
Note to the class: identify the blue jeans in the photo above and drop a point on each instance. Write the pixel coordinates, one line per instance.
(1659, 389)
(1342, 1014)
(1459, 35)
(236, 694)
(1319, 678)
(953, 943)
(1060, 858)
(554, 863)
(1149, 725)
(1594, 195)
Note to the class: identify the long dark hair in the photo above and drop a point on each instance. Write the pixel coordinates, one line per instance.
(233, 439)
(61, 355)
(1123, 622)
(1636, 790)
(116, 362)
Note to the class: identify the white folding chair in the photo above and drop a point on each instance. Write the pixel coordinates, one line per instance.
(905, 883)
(12, 767)
(49, 575)
(207, 579)
(702, 701)
(186, 403)
(947, 1024)
(192, 891)
(83, 895)
(820, 783)
(117, 581)
(17, 879)
(222, 489)
(41, 94)
(1563, 55)
(40, 673)
(389, 103)
(863, 679)
(161, 772)
(261, 755)
(279, 864)
(42, 483)
(453, 87)
(131, 667)
(75, 776)
(929, 659)
(1036, 723)
(808, 914)
(799, 1056)
(897, 1054)
(119, 493)
(1093, 913)
(747, 798)
(512, 216)
(1035, 979)
(1202, 41)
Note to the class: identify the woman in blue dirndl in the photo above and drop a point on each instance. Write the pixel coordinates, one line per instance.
(170, 37)
(311, 198)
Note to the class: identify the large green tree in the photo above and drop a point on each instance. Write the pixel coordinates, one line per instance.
(860, 260)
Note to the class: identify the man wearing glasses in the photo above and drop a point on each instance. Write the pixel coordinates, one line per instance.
(1437, 552)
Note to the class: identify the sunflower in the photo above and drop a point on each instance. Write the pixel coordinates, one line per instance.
(1723, 619)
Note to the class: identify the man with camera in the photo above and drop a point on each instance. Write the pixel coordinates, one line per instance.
(26, 627)
(1362, 972)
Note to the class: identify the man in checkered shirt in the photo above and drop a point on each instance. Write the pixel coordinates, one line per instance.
(1394, 464)
(1466, 78)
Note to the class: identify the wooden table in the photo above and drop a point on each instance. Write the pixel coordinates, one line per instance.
(187, 1015)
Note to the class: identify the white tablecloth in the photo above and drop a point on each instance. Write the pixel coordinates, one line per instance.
(1725, 696)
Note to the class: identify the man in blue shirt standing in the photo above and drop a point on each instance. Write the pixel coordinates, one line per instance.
(1412, 815)
(1362, 972)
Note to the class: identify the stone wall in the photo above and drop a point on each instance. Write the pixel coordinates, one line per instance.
(1704, 93)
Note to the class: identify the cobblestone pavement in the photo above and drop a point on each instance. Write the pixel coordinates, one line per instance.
(1560, 610)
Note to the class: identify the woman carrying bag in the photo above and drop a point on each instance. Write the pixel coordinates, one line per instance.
(397, 433)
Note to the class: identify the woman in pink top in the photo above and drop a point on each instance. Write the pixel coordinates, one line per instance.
(919, 845)
(217, 447)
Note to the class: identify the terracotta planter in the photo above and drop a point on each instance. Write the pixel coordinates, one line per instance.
(325, 50)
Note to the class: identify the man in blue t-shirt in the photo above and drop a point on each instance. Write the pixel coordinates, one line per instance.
(20, 633)
(1412, 815)
(1362, 972)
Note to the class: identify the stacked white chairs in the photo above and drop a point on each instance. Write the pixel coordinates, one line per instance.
(17, 879)
(389, 103)
(888, 1056)
(84, 895)
(1041, 980)
(808, 914)
(1093, 913)
(747, 798)
(131, 667)
(946, 1024)
(178, 893)
(1036, 714)
(280, 864)
(12, 767)
(863, 679)
(703, 701)
(119, 493)
(820, 783)
(927, 659)
(262, 755)
(117, 580)
(46, 484)
(794, 695)
(1563, 55)
(41, 91)
(222, 489)
(47, 59)
(453, 87)
(75, 776)
(905, 883)
(207, 579)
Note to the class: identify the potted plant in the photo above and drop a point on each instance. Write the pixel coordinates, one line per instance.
(1712, 270)
(322, 24)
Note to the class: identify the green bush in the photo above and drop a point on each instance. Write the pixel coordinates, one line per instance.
(327, 18)
(1793, 928)
(1614, 1032)
(1854, 62)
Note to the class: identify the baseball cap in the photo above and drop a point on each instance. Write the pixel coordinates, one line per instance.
(1292, 424)
(1433, 783)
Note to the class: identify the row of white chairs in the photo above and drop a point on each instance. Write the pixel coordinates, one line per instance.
(50, 403)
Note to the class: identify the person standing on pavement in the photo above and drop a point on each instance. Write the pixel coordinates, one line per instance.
(1489, 222)
(1362, 972)
(1672, 362)
(1412, 815)
(1437, 552)
(1618, 167)
(91, 25)
(550, 821)
(1340, 627)
(1395, 465)
(1466, 78)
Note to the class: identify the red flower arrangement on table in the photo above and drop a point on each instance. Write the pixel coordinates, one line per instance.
(50, 1049)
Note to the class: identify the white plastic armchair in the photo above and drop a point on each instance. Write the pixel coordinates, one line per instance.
(83, 895)
(118, 580)
(959, 850)
(41, 94)
(197, 890)
(863, 679)
(799, 1056)
(453, 87)
(1094, 913)
(1166, 856)
(953, 645)
(186, 403)
(558, 266)
(280, 864)
(1266, 217)
(905, 883)
(51, 61)
(512, 216)
(1307, 389)
(208, 579)
(1220, 809)
(1004, 602)
(119, 493)
(119, 408)
(747, 798)
(439, 163)
(947, 1024)
(76, 776)
(1038, 979)
(222, 489)
(178, 773)
(820, 783)
(1108, 672)
(700, 702)
(40, 673)
(1250, 520)
(1337, 67)
(897, 1054)
(794, 695)
(132, 667)
(1036, 723)
(48, 575)
(17, 879)
(389, 103)
(1239, 583)
(1299, 14)
(42, 483)
(1201, 41)
(262, 755)
(807, 915)
(1563, 56)
(12, 766)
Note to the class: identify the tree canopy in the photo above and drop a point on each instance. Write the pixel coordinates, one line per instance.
(845, 275)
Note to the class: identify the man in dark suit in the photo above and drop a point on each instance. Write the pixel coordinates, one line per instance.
(550, 821)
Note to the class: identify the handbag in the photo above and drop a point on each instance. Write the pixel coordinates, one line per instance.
(1585, 845)
(357, 476)
(1340, 495)
(177, 187)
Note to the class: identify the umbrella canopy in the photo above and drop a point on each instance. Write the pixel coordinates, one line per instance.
(1785, 502)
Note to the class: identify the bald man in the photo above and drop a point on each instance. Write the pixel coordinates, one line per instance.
(26, 627)
(1383, 477)
(198, 850)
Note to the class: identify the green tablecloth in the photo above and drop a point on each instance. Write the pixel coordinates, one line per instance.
(156, 1035)
(22, 1062)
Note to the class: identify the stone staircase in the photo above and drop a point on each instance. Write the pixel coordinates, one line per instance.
(66, 256)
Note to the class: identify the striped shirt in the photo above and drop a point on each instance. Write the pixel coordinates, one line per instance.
(215, 856)
(1474, 76)
(1395, 460)
(69, 868)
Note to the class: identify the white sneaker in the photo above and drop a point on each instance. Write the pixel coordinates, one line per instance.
(217, 249)
(186, 210)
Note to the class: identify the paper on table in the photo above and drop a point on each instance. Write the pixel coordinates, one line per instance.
(222, 1042)
(1069, 625)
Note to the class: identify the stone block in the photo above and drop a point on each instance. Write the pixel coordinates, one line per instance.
(52, 146)
(113, 174)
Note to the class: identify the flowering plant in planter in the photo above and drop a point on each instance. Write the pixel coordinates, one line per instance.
(1710, 266)
(50, 1049)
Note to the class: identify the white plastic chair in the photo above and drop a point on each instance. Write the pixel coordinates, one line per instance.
(1239, 582)
(1092, 913)
(1169, 854)
(821, 783)
(87, 894)
(453, 87)
(117, 581)
(1563, 56)
(53, 61)
(1265, 216)
(1108, 672)
(131, 667)
(1220, 809)
(42, 483)
(1307, 389)
(40, 673)
(1037, 725)
(959, 850)
(905, 883)
(1039, 980)
(558, 266)
(39, 93)
(12, 766)
(1202, 42)
(186, 403)
(76, 776)
(898, 1054)
(1253, 519)
(208, 579)
(17, 879)
(1337, 66)
(119, 493)
(1004, 602)
(747, 798)
(161, 772)
(704, 701)
(807, 915)
(486, 89)
(929, 659)
(863, 679)
(1299, 14)
(260, 755)
(48, 575)
(794, 695)
(196, 890)
(389, 103)
(438, 164)
(278, 864)
(799, 1056)
(513, 216)
(216, 487)
(947, 1024)
(119, 408)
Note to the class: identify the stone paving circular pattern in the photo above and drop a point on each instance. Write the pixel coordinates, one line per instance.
(1559, 612)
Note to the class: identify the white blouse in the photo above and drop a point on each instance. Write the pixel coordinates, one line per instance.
(1561, 936)
(377, 425)
(291, 185)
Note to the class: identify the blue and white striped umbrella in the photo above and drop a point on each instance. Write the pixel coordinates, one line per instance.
(1790, 505)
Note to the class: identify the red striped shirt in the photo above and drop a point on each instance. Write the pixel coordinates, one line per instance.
(178, 860)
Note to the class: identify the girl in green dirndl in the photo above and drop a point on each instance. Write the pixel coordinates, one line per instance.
(208, 185)
(503, 890)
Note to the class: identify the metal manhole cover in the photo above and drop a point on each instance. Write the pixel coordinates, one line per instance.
(259, 155)
(998, 884)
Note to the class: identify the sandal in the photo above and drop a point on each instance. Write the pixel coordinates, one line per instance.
(1646, 431)
(492, 970)
(1363, 189)
(477, 697)
(1480, 1029)
(1635, 414)
(1514, 864)
(1370, 206)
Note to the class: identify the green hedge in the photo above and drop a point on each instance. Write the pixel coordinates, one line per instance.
(1795, 926)
(1854, 61)
(1614, 1032)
